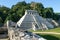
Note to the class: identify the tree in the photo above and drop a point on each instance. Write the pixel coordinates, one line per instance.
(48, 12)
(4, 12)
(17, 11)
(37, 6)
(1, 21)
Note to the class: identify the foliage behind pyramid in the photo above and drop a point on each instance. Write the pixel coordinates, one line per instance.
(17, 11)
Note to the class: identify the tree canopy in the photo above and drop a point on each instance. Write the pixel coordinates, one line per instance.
(17, 11)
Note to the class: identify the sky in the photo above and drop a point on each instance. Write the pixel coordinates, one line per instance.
(55, 4)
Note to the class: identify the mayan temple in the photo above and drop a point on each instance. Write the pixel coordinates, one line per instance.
(31, 20)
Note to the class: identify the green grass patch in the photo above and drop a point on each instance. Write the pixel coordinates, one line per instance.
(50, 30)
(50, 36)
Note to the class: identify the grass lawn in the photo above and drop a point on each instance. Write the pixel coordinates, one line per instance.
(4, 39)
(50, 30)
(50, 36)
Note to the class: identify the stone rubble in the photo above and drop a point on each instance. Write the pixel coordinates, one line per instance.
(17, 34)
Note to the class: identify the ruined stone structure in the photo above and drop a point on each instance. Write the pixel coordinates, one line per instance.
(31, 20)
(53, 22)
(18, 34)
(15, 33)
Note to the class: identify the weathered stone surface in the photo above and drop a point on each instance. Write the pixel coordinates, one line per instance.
(15, 34)
(33, 20)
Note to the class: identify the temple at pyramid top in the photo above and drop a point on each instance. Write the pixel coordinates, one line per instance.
(30, 11)
(32, 20)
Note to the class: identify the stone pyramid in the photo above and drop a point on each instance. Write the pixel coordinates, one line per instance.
(32, 20)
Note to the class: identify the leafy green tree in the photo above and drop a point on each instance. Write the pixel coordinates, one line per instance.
(1, 21)
(37, 6)
(48, 12)
(17, 11)
(4, 12)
